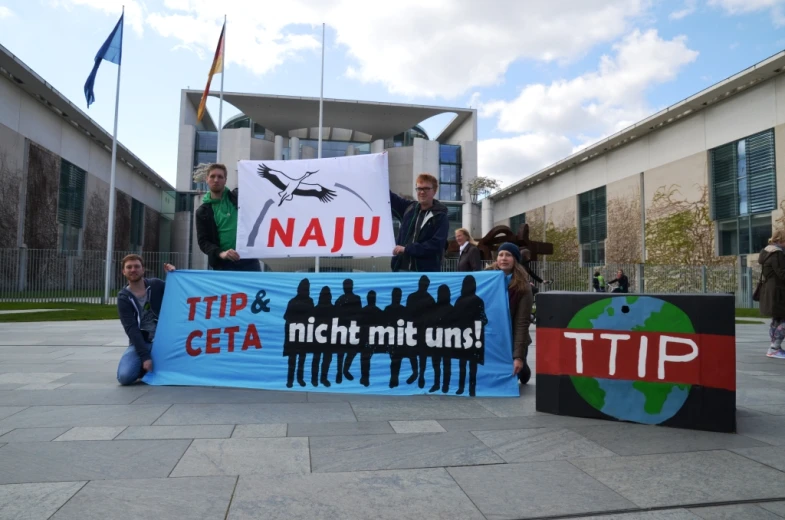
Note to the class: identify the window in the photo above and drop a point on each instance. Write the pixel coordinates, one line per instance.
(205, 151)
(449, 173)
(70, 204)
(455, 218)
(593, 228)
(743, 192)
(516, 221)
(137, 225)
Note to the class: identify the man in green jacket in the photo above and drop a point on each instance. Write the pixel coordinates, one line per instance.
(216, 225)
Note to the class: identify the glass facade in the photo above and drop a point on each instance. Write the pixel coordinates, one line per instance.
(406, 138)
(205, 151)
(333, 148)
(743, 193)
(593, 227)
(258, 131)
(449, 173)
(516, 221)
(70, 204)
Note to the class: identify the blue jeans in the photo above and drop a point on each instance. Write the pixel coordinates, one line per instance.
(130, 367)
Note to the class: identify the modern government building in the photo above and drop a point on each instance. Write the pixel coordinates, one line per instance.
(697, 183)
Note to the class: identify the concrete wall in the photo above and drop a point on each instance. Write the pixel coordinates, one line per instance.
(467, 131)
(425, 158)
(235, 146)
(400, 163)
(262, 150)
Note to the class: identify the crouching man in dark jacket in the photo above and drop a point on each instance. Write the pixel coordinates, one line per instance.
(424, 226)
(139, 304)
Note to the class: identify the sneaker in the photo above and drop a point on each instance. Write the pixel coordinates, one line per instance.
(772, 350)
(778, 355)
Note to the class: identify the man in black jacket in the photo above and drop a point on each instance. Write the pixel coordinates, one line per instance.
(422, 237)
(138, 304)
(216, 225)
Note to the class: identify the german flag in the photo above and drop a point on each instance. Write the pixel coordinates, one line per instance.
(217, 68)
(659, 359)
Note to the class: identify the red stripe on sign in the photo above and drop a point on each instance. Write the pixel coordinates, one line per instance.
(699, 359)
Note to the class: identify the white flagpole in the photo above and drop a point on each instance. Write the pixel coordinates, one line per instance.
(110, 226)
(321, 106)
(221, 105)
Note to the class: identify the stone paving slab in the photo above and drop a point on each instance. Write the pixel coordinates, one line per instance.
(272, 456)
(771, 456)
(398, 451)
(88, 460)
(382, 495)
(770, 430)
(8, 411)
(735, 512)
(417, 427)
(33, 434)
(338, 428)
(218, 431)
(685, 478)
(541, 420)
(192, 498)
(85, 415)
(35, 501)
(775, 507)
(183, 414)
(535, 489)
(410, 411)
(262, 430)
(540, 444)
(91, 433)
(112, 395)
(199, 395)
(638, 439)
(671, 514)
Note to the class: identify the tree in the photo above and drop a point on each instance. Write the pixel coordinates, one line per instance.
(623, 244)
(679, 231)
(564, 237)
(482, 187)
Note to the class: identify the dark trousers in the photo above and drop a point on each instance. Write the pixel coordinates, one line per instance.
(299, 359)
(436, 363)
(472, 377)
(246, 264)
(317, 375)
(395, 369)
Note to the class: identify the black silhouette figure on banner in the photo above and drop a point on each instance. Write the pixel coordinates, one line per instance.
(323, 314)
(441, 316)
(418, 306)
(392, 314)
(470, 308)
(372, 317)
(299, 309)
(348, 307)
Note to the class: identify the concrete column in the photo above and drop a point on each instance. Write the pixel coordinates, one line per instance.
(278, 148)
(377, 146)
(487, 215)
(350, 150)
(294, 148)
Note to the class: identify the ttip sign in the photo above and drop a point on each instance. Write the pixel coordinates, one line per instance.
(653, 360)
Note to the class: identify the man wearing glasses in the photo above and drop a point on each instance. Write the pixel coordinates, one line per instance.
(423, 234)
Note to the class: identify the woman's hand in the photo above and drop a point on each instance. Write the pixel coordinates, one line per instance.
(169, 268)
(517, 366)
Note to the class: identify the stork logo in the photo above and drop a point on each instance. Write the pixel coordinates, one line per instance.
(290, 186)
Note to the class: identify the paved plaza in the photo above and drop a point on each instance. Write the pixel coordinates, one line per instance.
(75, 445)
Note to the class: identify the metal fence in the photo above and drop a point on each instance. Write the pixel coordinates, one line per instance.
(47, 275)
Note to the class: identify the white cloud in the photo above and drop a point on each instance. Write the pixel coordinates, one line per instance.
(688, 9)
(5, 12)
(559, 119)
(510, 159)
(737, 7)
(601, 102)
(134, 9)
(418, 48)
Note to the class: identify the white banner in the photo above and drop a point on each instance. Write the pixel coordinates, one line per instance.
(315, 207)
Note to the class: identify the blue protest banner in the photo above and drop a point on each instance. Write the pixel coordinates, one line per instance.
(403, 333)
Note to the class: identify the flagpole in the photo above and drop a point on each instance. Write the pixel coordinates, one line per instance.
(221, 105)
(321, 109)
(112, 175)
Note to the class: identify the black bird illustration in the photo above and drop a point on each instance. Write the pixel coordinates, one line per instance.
(290, 187)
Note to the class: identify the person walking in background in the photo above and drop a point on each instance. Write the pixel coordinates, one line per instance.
(216, 225)
(772, 291)
(469, 255)
(526, 258)
(521, 298)
(598, 282)
(623, 281)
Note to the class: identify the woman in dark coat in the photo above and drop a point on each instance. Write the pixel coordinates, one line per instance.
(772, 292)
(521, 297)
(469, 255)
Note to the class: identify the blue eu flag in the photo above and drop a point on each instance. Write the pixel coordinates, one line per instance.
(111, 50)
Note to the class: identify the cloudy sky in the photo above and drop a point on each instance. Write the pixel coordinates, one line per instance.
(547, 76)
